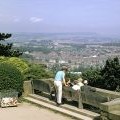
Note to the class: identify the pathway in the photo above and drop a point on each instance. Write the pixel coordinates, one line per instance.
(27, 111)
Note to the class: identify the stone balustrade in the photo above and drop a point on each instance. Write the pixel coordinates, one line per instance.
(107, 101)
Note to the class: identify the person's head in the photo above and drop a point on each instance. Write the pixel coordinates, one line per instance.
(76, 82)
(85, 82)
(64, 68)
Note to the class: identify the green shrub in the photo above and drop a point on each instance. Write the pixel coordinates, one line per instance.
(111, 74)
(107, 77)
(3, 59)
(93, 76)
(10, 78)
(72, 76)
(17, 62)
(37, 71)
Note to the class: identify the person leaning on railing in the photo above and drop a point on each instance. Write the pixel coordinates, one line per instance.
(79, 83)
(59, 80)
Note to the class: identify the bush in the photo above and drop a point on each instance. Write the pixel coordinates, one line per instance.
(18, 63)
(3, 59)
(107, 77)
(10, 78)
(72, 76)
(37, 71)
(111, 74)
(93, 76)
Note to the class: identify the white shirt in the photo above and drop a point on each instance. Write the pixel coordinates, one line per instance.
(80, 84)
(77, 86)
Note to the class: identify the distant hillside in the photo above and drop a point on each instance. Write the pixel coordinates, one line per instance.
(79, 38)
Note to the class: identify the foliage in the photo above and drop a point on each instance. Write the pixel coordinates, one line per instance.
(107, 77)
(93, 76)
(30, 71)
(3, 59)
(4, 36)
(111, 74)
(37, 71)
(72, 76)
(56, 67)
(6, 49)
(81, 68)
(17, 62)
(10, 78)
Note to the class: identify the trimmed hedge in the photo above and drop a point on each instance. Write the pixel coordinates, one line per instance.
(10, 78)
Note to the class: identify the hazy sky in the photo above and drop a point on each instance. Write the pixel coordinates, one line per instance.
(102, 16)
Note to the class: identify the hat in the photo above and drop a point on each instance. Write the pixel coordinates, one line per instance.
(80, 79)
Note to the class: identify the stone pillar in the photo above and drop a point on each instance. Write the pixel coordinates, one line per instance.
(27, 87)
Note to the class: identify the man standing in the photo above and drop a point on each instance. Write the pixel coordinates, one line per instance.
(59, 79)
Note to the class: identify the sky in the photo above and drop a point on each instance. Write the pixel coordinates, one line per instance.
(49, 16)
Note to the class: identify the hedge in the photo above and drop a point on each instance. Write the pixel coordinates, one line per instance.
(10, 78)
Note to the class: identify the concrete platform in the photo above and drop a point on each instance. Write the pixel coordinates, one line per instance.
(28, 111)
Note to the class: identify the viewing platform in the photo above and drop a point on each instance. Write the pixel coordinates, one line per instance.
(106, 102)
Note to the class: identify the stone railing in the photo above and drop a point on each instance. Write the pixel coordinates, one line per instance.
(110, 110)
(107, 101)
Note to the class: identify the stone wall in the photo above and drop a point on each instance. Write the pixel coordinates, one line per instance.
(107, 101)
(94, 96)
(110, 110)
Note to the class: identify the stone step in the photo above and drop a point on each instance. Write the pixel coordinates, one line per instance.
(57, 109)
(65, 107)
(68, 107)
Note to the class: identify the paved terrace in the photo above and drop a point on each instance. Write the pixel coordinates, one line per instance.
(27, 111)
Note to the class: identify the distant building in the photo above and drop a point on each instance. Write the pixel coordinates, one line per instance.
(26, 52)
(78, 73)
(52, 61)
(62, 61)
(94, 56)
